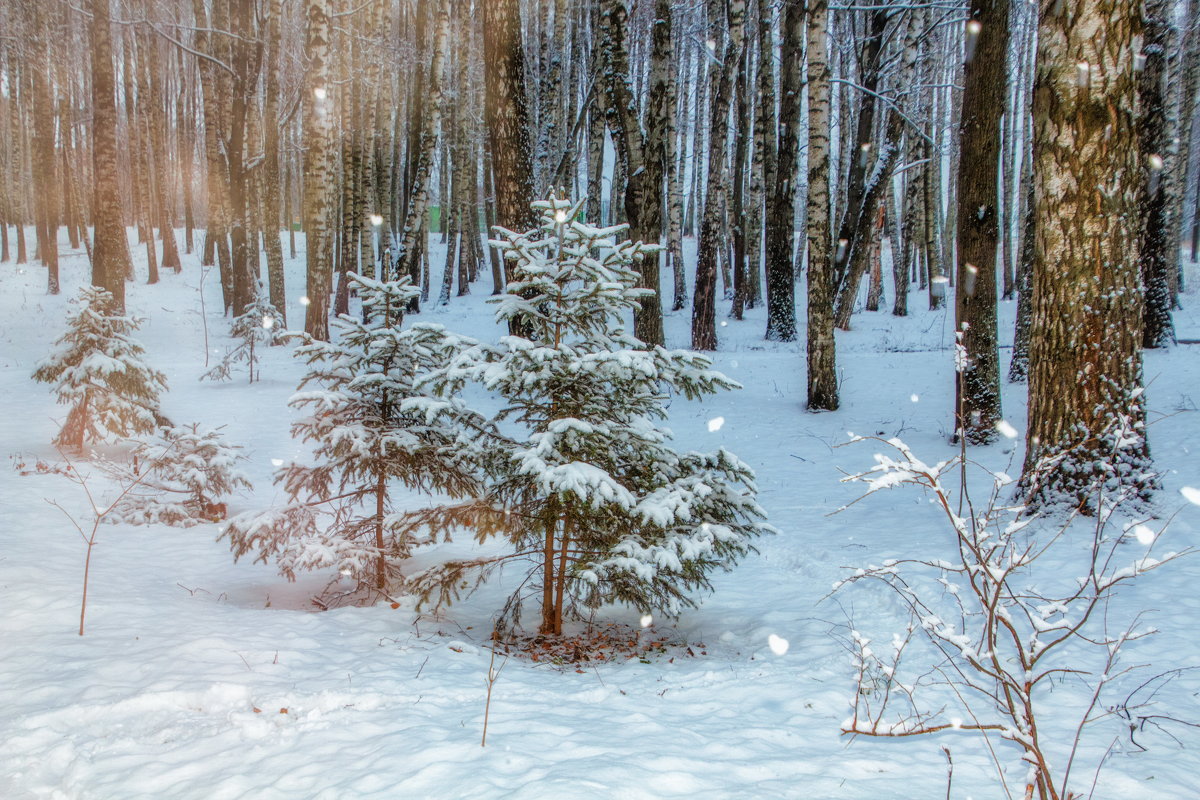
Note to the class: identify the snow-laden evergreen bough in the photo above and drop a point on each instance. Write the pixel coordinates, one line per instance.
(1013, 607)
(580, 476)
(97, 369)
(183, 475)
(258, 326)
(372, 426)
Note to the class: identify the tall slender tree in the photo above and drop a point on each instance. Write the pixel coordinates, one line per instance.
(704, 324)
(977, 384)
(110, 253)
(781, 165)
(642, 156)
(1155, 250)
(317, 169)
(822, 377)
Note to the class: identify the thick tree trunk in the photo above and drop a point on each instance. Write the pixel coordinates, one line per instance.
(110, 256)
(1085, 366)
(507, 114)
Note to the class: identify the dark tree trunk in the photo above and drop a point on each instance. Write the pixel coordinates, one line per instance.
(782, 173)
(1156, 254)
(110, 256)
(704, 324)
(977, 388)
(507, 114)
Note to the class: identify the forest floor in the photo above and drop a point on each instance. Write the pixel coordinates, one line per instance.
(202, 678)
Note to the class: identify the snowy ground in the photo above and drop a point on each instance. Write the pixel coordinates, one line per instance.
(199, 678)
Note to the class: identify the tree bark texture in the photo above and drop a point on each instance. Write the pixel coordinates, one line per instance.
(318, 170)
(822, 357)
(1085, 367)
(110, 255)
(506, 111)
(977, 384)
(1156, 251)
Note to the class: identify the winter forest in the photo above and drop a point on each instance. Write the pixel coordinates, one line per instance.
(599, 399)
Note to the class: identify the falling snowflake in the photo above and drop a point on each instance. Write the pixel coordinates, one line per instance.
(1006, 429)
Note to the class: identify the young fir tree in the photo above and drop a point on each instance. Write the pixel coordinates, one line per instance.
(371, 428)
(260, 325)
(583, 481)
(187, 472)
(96, 368)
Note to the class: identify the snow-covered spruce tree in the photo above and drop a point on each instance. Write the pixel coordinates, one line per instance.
(583, 482)
(258, 326)
(186, 472)
(371, 430)
(96, 368)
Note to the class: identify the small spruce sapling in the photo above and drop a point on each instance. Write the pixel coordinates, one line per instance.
(583, 483)
(97, 369)
(260, 325)
(371, 428)
(185, 474)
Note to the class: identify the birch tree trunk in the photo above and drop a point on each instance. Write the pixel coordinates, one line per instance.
(318, 169)
(270, 175)
(675, 145)
(1085, 365)
(822, 358)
